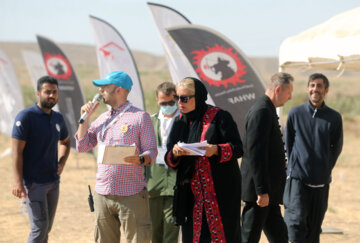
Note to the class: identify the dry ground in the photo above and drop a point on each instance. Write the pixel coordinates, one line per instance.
(344, 200)
(74, 221)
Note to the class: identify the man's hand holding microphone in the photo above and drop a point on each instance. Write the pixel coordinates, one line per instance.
(86, 111)
(89, 108)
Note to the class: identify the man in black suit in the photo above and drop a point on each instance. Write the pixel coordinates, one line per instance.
(263, 165)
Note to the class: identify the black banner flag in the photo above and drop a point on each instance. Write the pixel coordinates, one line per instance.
(71, 97)
(230, 79)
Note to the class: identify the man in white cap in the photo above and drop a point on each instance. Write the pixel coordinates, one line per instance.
(121, 198)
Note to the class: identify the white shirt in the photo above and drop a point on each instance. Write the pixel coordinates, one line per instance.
(165, 128)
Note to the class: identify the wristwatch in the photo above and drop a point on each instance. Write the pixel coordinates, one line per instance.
(142, 159)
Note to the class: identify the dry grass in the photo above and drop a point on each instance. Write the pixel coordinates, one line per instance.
(73, 221)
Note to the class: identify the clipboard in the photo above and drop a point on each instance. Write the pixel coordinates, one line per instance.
(114, 155)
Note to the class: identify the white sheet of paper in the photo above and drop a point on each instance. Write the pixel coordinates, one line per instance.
(194, 148)
(160, 156)
(100, 153)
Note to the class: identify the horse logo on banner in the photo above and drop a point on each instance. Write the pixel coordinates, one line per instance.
(58, 66)
(219, 66)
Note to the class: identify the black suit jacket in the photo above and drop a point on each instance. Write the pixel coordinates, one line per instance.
(263, 164)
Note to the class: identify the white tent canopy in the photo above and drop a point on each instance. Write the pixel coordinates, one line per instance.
(334, 44)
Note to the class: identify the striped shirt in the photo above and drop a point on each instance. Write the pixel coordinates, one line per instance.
(117, 127)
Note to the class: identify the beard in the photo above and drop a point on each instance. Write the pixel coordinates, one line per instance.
(107, 97)
(47, 105)
(316, 99)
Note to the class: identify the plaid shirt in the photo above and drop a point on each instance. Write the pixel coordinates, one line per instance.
(121, 180)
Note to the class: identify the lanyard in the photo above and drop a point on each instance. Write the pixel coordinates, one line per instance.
(114, 120)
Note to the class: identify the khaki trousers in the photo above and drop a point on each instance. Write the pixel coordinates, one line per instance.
(163, 228)
(131, 213)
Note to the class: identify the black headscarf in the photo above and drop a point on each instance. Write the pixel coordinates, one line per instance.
(194, 118)
(188, 129)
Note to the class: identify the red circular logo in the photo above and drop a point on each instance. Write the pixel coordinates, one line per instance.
(58, 66)
(219, 66)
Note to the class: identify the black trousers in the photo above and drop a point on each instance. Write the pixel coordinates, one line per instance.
(187, 231)
(305, 209)
(255, 219)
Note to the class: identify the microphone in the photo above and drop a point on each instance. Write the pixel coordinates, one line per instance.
(95, 101)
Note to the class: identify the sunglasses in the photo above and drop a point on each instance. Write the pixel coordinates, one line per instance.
(183, 99)
(168, 103)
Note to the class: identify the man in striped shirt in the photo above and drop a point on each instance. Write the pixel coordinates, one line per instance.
(121, 198)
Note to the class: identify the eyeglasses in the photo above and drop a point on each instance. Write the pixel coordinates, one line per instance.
(167, 103)
(183, 99)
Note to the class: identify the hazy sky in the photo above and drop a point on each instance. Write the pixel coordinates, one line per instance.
(257, 26)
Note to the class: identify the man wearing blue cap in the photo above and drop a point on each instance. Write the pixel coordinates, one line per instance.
(121, 198)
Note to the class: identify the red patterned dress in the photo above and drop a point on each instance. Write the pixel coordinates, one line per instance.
(216, 180)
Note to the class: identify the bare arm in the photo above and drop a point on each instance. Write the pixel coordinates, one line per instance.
(64, 150)
(18, 163)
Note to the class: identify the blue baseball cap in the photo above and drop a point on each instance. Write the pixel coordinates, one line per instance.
(118, 78)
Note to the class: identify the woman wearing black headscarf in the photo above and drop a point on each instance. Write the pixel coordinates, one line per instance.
(208, 188)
